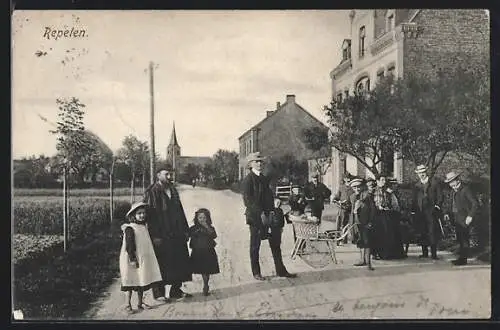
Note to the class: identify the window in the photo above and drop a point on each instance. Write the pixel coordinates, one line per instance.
(346, 50)
(362, 41)
(390, 71)
(387, 161)
(380, 75)
(346, 93)
(390, 22)
(339, 97)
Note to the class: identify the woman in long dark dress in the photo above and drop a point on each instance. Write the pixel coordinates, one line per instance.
(388, 238)
(204, 259)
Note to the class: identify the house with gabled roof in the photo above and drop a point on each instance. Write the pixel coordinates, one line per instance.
(278, 134)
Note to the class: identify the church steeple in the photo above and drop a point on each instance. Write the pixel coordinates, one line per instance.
(173, 150)
(173, 137)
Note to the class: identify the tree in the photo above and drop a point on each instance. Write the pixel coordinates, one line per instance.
(73, 146)
(422, 118)
(287, 167)
(81, 151)
(190, 171)
(225, 165)
(316, 139)
(135, 154)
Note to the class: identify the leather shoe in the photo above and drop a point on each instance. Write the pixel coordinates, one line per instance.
(259, 277)
(180, 295)
(287, 274)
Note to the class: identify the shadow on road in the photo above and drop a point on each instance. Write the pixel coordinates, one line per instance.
(330, 275)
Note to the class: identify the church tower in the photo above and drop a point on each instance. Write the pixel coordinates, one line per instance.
(173, 150)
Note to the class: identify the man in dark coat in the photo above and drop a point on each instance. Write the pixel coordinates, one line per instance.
(427, 203)
(168, 229)
(342, 198)
(317, 192)
(259, 203)
(464, 206)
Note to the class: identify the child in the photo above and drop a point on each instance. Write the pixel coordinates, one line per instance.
(203, 256)
(139, 268)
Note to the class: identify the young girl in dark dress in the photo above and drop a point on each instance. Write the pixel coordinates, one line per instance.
(204, 259)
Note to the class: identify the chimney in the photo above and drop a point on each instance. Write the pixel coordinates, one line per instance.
(268, 113)
(278, 105)
(290, 98)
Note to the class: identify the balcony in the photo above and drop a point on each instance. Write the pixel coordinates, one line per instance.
(341, 68)
(383, 42)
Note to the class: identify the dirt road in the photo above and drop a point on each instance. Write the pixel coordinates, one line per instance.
(409, 288)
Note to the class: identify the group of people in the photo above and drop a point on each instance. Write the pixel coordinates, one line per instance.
(155, 251)
(374, 208)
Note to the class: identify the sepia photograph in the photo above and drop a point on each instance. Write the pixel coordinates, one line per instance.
(250, 165)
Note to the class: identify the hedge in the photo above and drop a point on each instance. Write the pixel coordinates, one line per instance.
(45, 217)
(75, 192)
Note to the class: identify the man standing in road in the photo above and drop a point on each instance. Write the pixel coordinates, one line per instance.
(464, 206)
(259, 203)
(317, 192)
(168, 229)
(342, 198)
(427, 202)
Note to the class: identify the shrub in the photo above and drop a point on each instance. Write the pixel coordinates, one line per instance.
(64, 285)
(26, 248)
(86, 216)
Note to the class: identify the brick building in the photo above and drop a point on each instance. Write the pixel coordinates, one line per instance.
(278, 134)
(403, 42)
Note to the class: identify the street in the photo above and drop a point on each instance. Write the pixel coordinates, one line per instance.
(402, 289)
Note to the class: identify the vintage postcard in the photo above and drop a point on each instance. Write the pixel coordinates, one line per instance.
(251, 165)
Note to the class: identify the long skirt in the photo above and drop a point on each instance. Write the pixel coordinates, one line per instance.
(204, 261)
(388, 242)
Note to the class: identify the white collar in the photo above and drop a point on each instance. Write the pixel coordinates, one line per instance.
(424, 181)
(256, 172)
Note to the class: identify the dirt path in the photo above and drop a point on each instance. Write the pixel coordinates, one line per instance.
(409, 288)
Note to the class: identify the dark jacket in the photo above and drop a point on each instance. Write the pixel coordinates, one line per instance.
(466, 204)
(318, 193)
(167, 222)
(257, 197)
(425, 197)
(366, 212)
(278, 220)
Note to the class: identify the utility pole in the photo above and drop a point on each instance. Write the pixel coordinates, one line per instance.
(152, 126)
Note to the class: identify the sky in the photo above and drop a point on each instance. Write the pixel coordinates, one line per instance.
(217, 72)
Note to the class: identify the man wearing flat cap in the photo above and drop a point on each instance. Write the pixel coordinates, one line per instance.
(464, 206)
(316, 192)
(259, 202)
(427, 203)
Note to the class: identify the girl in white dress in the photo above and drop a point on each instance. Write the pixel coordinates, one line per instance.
(139, 268)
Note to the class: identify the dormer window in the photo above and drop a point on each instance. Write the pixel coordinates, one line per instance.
(346, 50)
(362, 35)
(389, 22)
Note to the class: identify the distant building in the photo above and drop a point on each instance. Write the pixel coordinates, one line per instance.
(278, 134)
(401, 42)
(179, 162)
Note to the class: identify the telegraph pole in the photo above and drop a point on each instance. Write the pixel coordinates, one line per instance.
(152, 126)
